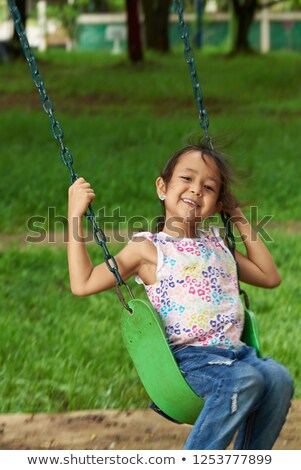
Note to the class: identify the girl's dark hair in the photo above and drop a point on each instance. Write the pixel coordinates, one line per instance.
(225, 196)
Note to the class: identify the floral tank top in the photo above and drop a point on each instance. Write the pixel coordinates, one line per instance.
(196, 290)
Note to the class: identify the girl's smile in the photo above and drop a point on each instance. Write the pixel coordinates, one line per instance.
(190, 202)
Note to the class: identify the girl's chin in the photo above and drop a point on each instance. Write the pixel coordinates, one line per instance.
(193, 218)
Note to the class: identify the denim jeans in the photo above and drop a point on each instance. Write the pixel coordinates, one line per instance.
(242, 393)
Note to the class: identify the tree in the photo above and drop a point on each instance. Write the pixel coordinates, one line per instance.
(21, 5)
(243, 15)
(134, 37)
(106, 5)
(12, 49)
(243, 11)
(67, 12)
(156, 14)
(293, 5)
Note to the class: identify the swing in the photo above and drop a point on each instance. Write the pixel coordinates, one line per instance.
(141, 327)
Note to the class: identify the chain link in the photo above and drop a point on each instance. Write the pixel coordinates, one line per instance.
(58, 134)
(189, 57)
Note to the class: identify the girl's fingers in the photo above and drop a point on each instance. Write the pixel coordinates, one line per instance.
(79, 181)
(82, 183)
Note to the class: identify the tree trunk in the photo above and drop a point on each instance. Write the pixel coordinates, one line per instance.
(21, 5)
(134, 36)
(156, 14)
(12, 49)
(199, 10)
(244, 13)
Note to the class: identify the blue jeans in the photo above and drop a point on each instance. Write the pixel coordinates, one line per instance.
(242, 393)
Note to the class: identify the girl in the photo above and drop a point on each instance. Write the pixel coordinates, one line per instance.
(190, 277)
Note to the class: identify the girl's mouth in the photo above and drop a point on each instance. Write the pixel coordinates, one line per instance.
(190, 202)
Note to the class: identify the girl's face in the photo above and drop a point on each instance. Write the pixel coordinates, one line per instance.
(192, 194)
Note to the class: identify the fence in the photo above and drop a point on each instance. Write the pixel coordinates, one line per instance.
(269, 31)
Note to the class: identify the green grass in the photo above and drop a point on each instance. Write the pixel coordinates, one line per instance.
(122, 122)
(59, 352)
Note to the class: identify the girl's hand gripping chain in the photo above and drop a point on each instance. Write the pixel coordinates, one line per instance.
(80, 196)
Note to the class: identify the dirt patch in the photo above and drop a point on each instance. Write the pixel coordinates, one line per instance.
(91, 104)
(86, 104)
(113, 429)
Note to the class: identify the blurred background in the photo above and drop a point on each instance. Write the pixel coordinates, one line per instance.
(120, 85)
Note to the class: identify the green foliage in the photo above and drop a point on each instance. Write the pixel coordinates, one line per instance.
(3, 10)
(97, 6)
(67, 14)
(291, 5)
(106, 5)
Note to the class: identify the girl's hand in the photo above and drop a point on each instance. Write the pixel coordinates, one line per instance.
(80, 196)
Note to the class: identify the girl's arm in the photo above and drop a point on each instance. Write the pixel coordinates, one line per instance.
(85, 279)
(257, 267)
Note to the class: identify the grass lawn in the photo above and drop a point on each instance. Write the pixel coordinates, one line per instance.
(122, 122)
(59, 352)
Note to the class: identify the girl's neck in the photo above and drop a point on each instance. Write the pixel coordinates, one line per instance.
(181, 230)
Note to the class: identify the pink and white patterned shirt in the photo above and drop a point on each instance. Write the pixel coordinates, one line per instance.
(196, 290)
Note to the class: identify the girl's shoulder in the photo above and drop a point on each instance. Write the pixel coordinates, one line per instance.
(151, 237)
(139, 236)
(145, 243)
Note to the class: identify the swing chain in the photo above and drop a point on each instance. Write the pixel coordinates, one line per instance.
(189, 57)
(122, 299)
(66, 156)
(46, 102)
(204, 122)
(230, 239)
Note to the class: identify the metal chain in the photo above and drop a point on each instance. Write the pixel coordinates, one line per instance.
(230, 239)
(66, 155)
(189, 57)
(204, 122)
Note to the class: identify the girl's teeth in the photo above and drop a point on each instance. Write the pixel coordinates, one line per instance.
(190, 202)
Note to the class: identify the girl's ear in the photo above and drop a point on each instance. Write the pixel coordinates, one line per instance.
(161, 187)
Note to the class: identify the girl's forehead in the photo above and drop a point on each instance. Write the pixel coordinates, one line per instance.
(198, 162)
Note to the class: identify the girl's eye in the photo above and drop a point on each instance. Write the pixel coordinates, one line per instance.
(186, 178)
(208, 187)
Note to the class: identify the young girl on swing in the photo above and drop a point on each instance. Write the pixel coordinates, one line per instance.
(190, 277)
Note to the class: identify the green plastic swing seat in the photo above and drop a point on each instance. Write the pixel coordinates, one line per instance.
(144, 338)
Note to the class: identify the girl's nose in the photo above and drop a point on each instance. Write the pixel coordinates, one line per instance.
(197, 192)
